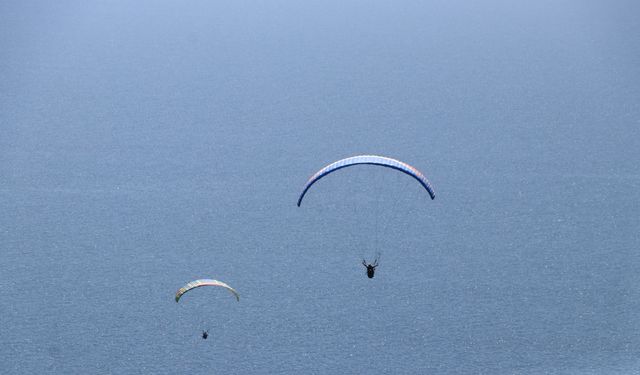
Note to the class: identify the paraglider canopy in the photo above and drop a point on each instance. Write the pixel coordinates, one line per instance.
(372, 160)
(205, 282)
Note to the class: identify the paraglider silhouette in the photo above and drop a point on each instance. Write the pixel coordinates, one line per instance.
(375, 160)
(371, 268)
(200, 283)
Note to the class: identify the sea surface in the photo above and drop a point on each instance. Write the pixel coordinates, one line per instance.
(146, 144)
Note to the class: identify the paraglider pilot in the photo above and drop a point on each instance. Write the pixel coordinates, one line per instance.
(371, 268)
(205, 334)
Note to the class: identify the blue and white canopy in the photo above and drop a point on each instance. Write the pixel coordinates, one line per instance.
(373, 160)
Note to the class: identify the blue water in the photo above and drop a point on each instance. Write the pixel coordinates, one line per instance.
(146, 145)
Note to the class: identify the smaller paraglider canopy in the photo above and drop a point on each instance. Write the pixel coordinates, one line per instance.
(205, 282)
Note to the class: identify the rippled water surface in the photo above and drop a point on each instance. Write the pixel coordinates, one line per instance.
(147, 144)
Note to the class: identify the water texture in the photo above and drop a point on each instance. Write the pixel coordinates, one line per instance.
(147, 144)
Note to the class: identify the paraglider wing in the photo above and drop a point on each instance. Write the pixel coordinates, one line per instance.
(204, 282)
(373, 160)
